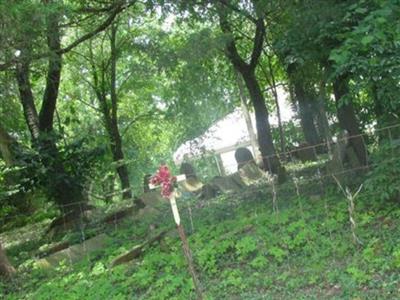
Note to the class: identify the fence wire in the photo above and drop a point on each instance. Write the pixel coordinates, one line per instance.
(302, 182)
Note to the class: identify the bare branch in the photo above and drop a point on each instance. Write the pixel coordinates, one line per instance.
(258, 42)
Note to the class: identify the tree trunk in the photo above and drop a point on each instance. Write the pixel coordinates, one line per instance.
(270, 159)
(305, 105)
(7, 271)
(323, 122)
(118, 154)
(378, 105)
(61, 186)
(122, 168)
(306, 113)
(347, 118)
(110, 112)
(247, 70)
(46, 115)
(26, 98)
(115, 147)
(278, 108)
(246, 114)
(6, 142)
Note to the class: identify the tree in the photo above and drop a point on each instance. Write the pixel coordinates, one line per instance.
(107, 70)
(6, 144)
(247, 70)
(369, 54)
(347, 118)
(309, 35)
(61, 185)
(269, 73)
(306, 104)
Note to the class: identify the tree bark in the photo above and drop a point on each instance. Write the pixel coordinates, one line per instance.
(347, 118)
(306, 113)
(247, 70)
(246, 114)
(46, 115)
(305, 106)
(323, 122)
(270, 160)
(60, 184)
(278, 108)
(7, 271)
(110, 112)
(378, 105)
(118, 154)
(6, 142)
(26, 98)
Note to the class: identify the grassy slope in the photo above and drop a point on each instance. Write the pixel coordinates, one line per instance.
(242, 251)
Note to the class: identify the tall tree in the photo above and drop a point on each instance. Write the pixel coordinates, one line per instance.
(347, 117)
(104, 83)
(61, 184)
(62, 188)
(247, 70)
(307, 106)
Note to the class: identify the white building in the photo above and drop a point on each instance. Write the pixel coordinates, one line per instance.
(228, 134)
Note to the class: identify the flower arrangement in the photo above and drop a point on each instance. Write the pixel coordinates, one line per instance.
(164, 178)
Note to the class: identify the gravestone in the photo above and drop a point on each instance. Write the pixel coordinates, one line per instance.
(209, 191)
(192, 184)
(251, 174)
(304, 152)
(153, 199)
(226, 184)
(187, 169)
(344, 158)
(243, 156)
(73, 253)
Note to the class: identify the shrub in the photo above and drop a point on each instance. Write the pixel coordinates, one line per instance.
(383, 181)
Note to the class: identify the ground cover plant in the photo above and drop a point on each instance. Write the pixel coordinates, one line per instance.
(242, 249)
(274, 123)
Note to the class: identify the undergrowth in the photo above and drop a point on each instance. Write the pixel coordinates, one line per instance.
(242, 250)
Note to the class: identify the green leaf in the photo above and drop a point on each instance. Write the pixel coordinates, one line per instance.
(367, 40)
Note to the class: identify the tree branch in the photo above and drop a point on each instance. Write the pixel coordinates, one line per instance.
(46, 114)
(258, 43)
(119, 7)
(147, 114)
(238, 10)
(231, 50)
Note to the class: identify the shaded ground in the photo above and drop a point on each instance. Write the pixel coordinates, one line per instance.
(242, 250)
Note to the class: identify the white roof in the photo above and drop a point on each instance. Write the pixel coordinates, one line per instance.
(229, 131)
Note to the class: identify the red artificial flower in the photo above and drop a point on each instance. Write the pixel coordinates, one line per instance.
(163, 177)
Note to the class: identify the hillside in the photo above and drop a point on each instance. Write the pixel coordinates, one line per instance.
(242, 249)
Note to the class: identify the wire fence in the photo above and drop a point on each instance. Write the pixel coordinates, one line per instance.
(90, 227)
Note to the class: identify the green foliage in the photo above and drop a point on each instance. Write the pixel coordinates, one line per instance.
(77, 157)
(245, 247)
(174, 82)
(382, 182)
(290, 254)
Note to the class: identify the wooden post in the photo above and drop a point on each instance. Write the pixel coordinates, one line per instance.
(220, 165)
(182, 235)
